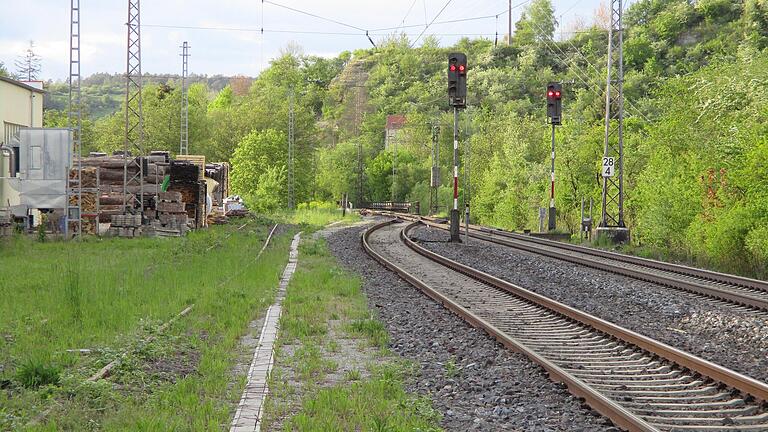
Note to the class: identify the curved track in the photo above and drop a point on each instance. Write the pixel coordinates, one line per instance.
(737, 290)
(639, 383)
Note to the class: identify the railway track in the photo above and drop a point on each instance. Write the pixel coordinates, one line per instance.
(737, 290)
(639, 383)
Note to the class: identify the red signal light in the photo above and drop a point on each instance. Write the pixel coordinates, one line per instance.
(557, 94)
(461, 68)
(550, 93)
(453, 68)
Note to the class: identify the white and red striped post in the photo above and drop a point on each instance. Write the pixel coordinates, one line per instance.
(552, 212)
(455, 227)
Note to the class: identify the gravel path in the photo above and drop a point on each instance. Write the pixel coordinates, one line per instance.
(475, 382)
(716, 332)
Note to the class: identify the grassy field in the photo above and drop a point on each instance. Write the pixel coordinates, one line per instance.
(319, 386)
(111, 296)
(317, 214)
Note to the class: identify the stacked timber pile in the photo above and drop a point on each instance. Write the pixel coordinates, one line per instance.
(185, 180)
(106, 174)
(171, 211)
(125, 225)
(89, 195)
(217, 217)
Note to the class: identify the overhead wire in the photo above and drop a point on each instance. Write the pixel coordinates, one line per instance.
(433, 20)
(290, 31)
(402, 22)
(315, 15)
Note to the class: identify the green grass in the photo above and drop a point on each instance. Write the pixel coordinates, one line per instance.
(372, 329)
(315, 215)
(111, 295)
(368, 397)
(376, 404)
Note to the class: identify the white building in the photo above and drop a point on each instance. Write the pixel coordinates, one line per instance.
(21, 105)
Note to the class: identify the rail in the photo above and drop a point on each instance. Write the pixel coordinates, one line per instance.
(612, 391)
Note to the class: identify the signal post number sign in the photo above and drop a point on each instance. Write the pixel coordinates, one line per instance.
(608, 167)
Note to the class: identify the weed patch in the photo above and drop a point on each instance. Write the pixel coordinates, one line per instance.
(349, 381)
(34, 374)
(372, 329)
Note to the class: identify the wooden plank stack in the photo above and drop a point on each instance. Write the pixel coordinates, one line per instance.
(171, 211)
(185, 180)
(183, 206)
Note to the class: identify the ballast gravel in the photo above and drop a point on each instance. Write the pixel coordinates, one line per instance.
(719, 332)
(476, 383)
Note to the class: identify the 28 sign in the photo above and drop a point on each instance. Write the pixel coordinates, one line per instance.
(608, 167)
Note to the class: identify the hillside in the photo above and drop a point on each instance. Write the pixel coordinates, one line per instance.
(696, 184)
(104, 93)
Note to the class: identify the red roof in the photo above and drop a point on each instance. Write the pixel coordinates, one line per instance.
(395, 121)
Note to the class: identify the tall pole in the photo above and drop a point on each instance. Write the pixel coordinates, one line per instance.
(613, 187)
(184, 145)
(394, 170)
(552, 212)
(133, 171)
(509, 17)
(455, 226)
(358, 103)
(74, 123)
(467, 173)
(434, 181)
(291, 144)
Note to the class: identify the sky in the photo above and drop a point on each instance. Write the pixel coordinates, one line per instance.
(218, 49)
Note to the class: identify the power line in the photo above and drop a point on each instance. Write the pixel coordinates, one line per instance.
(433, 20)
(407, 13)
(435, 23)
(314, 15)
(287, 31)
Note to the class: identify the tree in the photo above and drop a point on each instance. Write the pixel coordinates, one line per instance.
(240, 85)
(256, 153)
(28, 66)
(270, 192)
(537, 23)
(3, 70)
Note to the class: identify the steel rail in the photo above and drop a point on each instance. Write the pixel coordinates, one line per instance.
(757, 299)
(710, 275)
(743, 383)
(605, 406)
(645, 262)
(723, 293)
(626, 416)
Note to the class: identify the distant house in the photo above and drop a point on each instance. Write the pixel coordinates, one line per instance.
(21, 105)
(395, 122)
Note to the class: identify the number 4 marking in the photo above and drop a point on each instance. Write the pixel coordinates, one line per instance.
(608, 167)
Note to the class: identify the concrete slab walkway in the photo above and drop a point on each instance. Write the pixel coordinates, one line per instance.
(251, 407)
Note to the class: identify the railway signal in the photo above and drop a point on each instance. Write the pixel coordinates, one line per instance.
(555, 103)
(457, 97)
(457, 80)
(554, 115)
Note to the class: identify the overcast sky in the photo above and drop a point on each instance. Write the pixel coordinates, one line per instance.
(232, 52)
